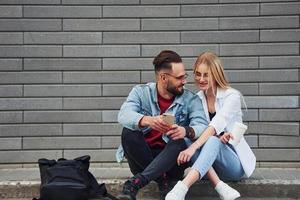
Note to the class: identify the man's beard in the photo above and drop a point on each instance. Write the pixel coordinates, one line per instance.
(174, 90)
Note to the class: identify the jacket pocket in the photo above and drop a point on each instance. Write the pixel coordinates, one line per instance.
(146, 112)
(181, 118)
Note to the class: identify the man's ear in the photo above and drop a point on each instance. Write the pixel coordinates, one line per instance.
(163, 77)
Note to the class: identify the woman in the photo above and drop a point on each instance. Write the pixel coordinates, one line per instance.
(211, 153)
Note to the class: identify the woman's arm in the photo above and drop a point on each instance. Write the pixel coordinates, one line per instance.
(230, 108)
(187, 154)
(210, 131)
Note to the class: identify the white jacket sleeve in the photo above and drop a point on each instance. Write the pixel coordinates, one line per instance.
(230, 108)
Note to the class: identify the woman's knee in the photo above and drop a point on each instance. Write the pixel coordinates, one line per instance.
(213, 140)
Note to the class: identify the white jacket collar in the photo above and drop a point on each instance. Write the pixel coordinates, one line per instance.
(220, 93)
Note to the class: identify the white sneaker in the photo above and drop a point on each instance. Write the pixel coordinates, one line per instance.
(226, 192)
(178, 192)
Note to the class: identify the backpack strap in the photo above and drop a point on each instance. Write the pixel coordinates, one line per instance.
(100, 189)
(111, 197)
(85, 160)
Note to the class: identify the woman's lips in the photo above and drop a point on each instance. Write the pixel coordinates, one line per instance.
(202, 85)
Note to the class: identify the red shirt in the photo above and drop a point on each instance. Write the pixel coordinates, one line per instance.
(154, 138)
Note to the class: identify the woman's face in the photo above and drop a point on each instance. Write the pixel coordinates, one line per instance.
(203, 79)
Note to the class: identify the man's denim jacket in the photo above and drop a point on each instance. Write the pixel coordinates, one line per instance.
(142, 100)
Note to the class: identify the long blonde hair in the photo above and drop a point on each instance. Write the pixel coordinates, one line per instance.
(212, 61)
(215, 68)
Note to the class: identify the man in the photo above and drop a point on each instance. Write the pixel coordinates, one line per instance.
(151, 145)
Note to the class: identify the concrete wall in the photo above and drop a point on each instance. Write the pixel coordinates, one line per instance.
(67, 65)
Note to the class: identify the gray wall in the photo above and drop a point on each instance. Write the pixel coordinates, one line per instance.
(67, 65)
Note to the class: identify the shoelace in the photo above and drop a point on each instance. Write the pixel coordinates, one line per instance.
(129, 188)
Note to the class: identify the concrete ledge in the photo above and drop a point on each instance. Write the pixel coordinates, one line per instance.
(265, 183)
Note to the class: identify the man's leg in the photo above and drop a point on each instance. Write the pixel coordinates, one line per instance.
(165, 161)
(136, 150)
(163, 169)
(162, 163)
(139, 156)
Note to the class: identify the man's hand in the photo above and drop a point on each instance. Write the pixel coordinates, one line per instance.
(226, 137)
(176, 132)
(156, 123)
(186, 155)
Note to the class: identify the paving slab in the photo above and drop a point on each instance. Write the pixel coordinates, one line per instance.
(273, 183)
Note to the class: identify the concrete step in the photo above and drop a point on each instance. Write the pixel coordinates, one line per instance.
(265, 183)
(202, 198)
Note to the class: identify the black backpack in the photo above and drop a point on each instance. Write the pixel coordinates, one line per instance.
(69, 180)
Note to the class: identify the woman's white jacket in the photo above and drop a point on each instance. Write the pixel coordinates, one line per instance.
(228, 111)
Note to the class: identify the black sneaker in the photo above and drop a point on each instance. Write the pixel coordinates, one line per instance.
(131, 188)
(163, 186)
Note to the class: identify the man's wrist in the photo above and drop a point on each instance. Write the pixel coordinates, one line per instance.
(144, 121)
(189, 132)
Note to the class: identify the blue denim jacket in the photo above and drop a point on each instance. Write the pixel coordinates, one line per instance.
(142, 100)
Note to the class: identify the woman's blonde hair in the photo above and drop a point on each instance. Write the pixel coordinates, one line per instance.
(215, 68)
(212, 61)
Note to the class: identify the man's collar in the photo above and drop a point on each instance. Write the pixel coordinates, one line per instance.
(153, 91)
(179, 99)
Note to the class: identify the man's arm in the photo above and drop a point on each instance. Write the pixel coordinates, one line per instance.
(197, 125)
(129, 115)
(155, 123)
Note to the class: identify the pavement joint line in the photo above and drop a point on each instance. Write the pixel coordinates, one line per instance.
(17, 176)
(28, 183)
(119, 181)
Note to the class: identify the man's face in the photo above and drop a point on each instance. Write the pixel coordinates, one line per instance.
(176, 79)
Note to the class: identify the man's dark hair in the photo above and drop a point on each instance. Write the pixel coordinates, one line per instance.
(164, 59)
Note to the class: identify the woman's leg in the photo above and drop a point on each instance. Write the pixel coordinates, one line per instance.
(225, 191)
(228, 165)
(211, 174)
(213, 177)
(213, 151)
(223, 159)
(204, 161)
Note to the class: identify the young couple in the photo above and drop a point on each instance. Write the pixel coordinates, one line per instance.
(199, 138)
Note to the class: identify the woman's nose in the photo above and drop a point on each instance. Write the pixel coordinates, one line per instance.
(201, 79)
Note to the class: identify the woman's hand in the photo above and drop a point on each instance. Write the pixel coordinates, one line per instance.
(186, 155)
(226, 137)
